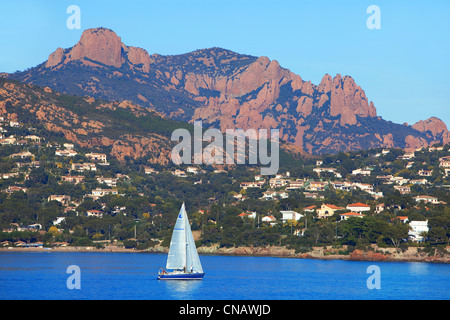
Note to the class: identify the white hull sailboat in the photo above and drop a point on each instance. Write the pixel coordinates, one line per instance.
(183, 262)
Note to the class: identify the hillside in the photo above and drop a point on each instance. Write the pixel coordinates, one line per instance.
(122, 129)
(78, 171)
(229, 90)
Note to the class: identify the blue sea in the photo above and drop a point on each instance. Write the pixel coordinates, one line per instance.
(126, 276)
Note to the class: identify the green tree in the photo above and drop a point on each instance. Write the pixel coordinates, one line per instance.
(396, 233)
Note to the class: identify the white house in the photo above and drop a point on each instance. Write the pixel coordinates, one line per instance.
(179, 173)
(270, 219)
(60, 198)
(277, 182)
(447, 172)
(417, 228)
(98, 193)
(403, 189)
(66, 153)
(342, 185)
(358, 207)
(22, 155)
(9, 140)
(193, 170)
(364, 172)
(110, 182)
(444, 162)
(291, 215)
(97, 156)
(407, 156)
(272, 195)
(310, 209)
(94, 213)
(72, 179)
(103, 192)
(403, 219)
(425, 173)
(320, 170)
(84, 167)
(379, 208)
(399, 180)
(12, 189)
(347, 215)
(438, 148)
(150, 170)
(364, 186)
(252, 184)
(33, 138)
(248, 214)
(419, 181)
(428, 199)
(58, 220)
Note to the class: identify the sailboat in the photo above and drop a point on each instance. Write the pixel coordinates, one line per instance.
(183, 262)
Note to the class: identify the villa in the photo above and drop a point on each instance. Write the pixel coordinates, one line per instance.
(80, 167)
(66, 153)
(94, 213)
(418, 228)
(345, 216)
(358, 207)
(364, 172)
(97, 157)
(72, 179)
(291, 215)
(428, 199)
(327, 210)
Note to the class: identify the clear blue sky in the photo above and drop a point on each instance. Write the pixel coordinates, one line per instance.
(404, 67)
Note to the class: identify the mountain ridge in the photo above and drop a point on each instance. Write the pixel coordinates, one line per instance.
(229, 90)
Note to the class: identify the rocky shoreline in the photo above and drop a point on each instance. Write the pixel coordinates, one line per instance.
(321, 253)
(329, 253)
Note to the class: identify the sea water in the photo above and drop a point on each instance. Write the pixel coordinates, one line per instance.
(124, 276)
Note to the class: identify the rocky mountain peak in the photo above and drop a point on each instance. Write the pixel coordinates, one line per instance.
(347, 99)
(434, 127)
(100, 45)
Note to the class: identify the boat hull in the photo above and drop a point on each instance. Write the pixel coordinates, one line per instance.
(181, 276)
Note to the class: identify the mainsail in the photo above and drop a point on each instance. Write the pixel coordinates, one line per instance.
(183, 253)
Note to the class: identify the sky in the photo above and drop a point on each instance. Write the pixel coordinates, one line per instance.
(403, 66)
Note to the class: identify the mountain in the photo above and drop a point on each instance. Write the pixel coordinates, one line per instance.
(229, 90)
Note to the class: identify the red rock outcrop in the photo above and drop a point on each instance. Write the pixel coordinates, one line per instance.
(435, 127)
(266, 77)
(101, 45)
(138, 56)
(347, 99)
(360, 255)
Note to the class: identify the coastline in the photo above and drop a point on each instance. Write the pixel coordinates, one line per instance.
(320, 253)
